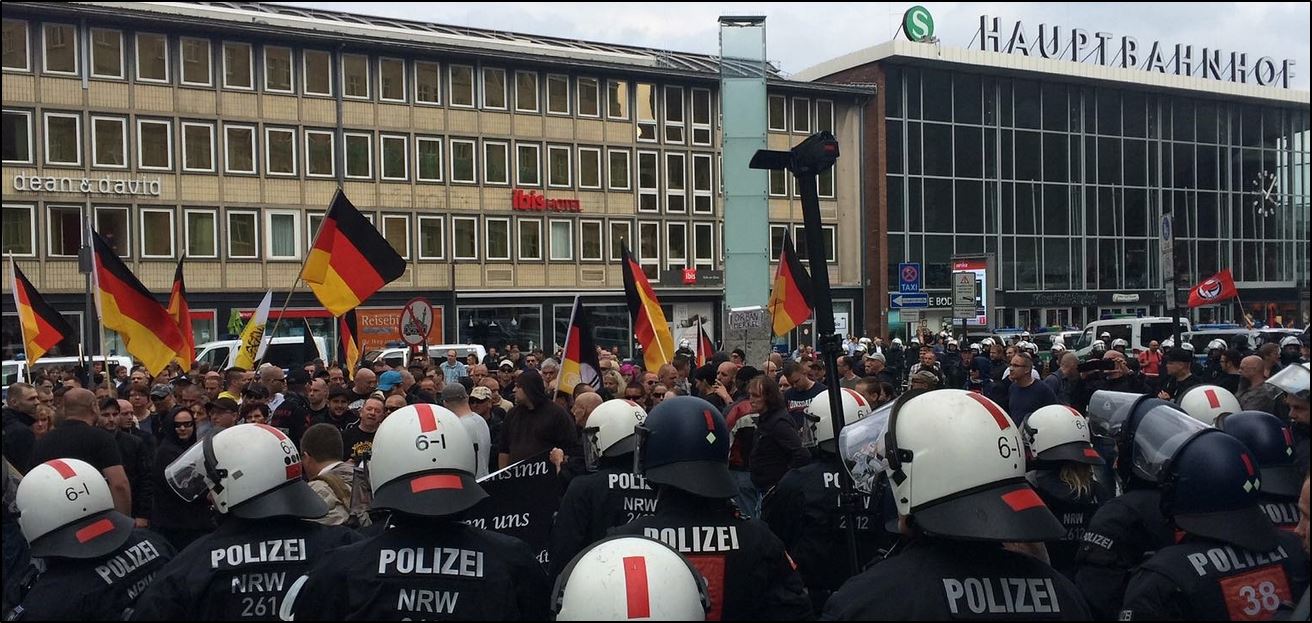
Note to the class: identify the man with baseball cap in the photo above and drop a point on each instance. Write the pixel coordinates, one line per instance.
(224, 413)
(1179, 374)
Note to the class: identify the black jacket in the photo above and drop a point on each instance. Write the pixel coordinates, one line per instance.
(169, 512)
(95, 589)
(803, 510)
(1202, 579)
(940, 579)
(1122, 534)
(1073, 509)
(777, 449)
(138, 462)
(594, 503)
(19, 440)
(749, 574)
(482, 575)
(243, 570)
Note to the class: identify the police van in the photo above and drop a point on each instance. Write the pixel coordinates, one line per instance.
(1137, 331)
(284, 352)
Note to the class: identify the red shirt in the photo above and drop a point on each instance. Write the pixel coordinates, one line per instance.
(1150, 362)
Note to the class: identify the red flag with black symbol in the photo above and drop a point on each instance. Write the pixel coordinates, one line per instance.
(790, 298)
(1214, 289)
(350, 260)
(181, 313)
(649, 324)
(348, 343)
(42, 327)
(148, 331)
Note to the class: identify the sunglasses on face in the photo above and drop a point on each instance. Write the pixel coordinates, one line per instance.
(186, 424)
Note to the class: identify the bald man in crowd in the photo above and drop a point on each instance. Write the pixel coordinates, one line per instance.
(76, 436)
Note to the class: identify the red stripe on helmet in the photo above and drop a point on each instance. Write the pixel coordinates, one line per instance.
(1022, 499)
(276, 433)
(710, 422)
(94, 530)
(1213, 399)
(1091, 453)
(294, 471)
(635, 587)
(1248, 463)
(860, 400)
(64, 469)
(998, 416)
(427, 418)
(1289, 435)
(1075, 412)
(436, 481)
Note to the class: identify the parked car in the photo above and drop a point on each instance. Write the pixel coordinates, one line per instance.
(401, 356)
(284, 352)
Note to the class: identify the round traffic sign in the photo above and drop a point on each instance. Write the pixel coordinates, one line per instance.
(910, 274)
(416, 321)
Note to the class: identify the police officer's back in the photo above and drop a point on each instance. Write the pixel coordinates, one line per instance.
(804, 509)
(1271, 444)
(252, 475)
(957, 467)
(91, 564)
(1129, 528)
(1232, 563)
(1063, 475)
(683, 447)
(611, 494)
(426, 564)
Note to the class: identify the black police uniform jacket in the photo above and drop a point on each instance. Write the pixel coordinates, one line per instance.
(1204, 579)
(939, 579)
(748, 573)
(96, 589)
(594, 503)
(424, 568)
(1073, 509)
(242, 570)
(1121, 535)
(803, 511)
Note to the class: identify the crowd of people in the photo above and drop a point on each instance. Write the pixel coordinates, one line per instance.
(1044, 487)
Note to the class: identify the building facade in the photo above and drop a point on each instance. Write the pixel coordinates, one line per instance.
(1060, 172)
(505, 168)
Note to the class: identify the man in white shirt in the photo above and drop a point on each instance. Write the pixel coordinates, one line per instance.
(455, 398)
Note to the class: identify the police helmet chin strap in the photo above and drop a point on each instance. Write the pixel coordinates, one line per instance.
(894, 454)
(213, 472)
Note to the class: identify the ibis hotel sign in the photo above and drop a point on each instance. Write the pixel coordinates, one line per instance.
(1126, 52)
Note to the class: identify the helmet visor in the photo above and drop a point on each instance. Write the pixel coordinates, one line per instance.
(1159, 434)
(1292, 380)
(1109, 411)
(861, 444)
(591, 450)
(808, 431)
(639, 449)
(187, 475)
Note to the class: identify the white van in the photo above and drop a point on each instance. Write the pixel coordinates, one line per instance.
(437, 354)
(1137, 331)
(16, 371)
(284, 352)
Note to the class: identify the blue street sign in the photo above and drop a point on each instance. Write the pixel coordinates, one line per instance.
(908, 277)
(915, 300)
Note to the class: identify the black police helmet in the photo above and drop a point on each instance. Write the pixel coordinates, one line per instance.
(1211, 490)
(684, 443)
(1272, 443)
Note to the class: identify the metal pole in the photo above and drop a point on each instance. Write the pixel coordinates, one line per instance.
(828, 343)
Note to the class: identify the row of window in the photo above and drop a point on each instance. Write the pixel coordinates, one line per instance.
(288, 234)
(678, 177)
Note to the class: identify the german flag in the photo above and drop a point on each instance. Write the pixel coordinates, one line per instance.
(348, 342)
(579, 362)
(350, 260)
(43, 327)
(148, 330)
(705, 348)
(181, 314)
(790, 298)
(649, 323)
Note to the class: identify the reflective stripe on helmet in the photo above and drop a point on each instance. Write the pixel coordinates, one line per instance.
(435, 481)
(94, 531)
(635, 587)
(1022, 499)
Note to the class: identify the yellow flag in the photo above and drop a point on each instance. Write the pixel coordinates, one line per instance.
(252, 343)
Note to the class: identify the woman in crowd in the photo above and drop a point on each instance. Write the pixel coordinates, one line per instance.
(178, 521)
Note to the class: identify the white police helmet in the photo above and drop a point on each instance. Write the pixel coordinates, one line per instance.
(626, 578)
(65, 510)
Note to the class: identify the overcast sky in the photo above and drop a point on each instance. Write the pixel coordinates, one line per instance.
(802, 35)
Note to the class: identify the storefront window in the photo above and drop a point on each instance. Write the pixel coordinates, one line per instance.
(501, 326)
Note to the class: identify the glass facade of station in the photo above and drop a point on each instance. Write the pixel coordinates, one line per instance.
(1065, 184)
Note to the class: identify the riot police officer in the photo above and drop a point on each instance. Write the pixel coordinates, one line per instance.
(1293, 384)
(1206, 403)
(1231, 562)
(89, 562)
(252, 474)
(611, 495)
(1271, 444)
(806, 508)
(1063, 475)
(1130, 527)
(426, 564)
(630, 577)
(956, 465)
(683, 448)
